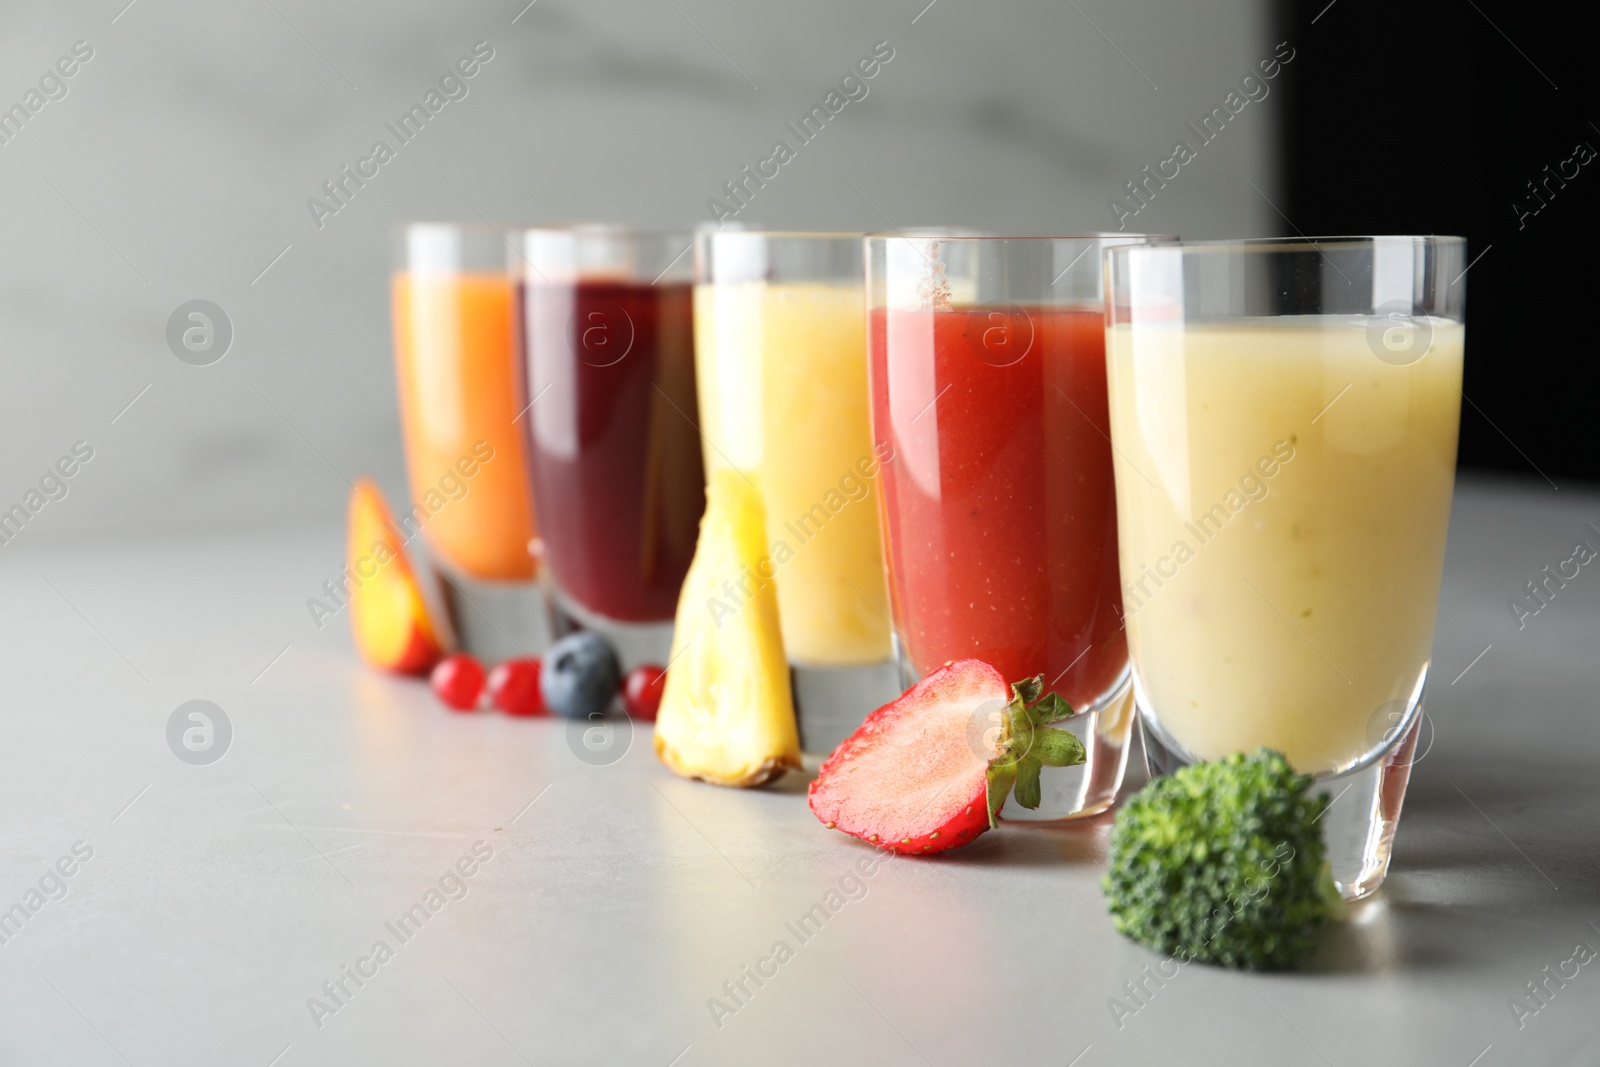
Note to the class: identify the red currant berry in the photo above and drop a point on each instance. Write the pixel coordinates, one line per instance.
(458, 681)
(514, 687)
(641, 691)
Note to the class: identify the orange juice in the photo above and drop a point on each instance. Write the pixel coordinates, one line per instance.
(454, 359)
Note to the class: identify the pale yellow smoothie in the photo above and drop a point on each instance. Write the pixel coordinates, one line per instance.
(782, 377)
(1282, 501)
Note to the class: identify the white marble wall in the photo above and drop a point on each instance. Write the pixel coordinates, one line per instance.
(180, 160)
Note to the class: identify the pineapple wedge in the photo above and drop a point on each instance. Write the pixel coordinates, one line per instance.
(727, 714)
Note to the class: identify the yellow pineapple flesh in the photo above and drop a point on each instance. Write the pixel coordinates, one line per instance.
(727, 714)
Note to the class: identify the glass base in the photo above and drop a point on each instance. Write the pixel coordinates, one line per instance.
(830, 702)
(1105, 727)
(635, 643)
(497, 621)
(1364, 802)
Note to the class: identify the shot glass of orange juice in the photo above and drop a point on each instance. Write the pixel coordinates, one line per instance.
(470, 498)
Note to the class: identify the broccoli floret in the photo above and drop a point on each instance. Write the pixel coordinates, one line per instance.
(1223, 862)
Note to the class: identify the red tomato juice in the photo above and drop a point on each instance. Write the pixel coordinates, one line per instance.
(999, 509)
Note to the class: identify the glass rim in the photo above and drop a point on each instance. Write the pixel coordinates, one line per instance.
(447, 248)
(959, 234)
(784, 235)
(1268, 244)
(599, 229)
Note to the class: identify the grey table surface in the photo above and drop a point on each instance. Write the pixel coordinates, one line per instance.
(617, 900)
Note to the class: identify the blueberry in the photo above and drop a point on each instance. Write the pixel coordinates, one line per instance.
(580, 676)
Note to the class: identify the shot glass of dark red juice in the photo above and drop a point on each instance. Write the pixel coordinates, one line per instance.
(608, 405)
(988, 387)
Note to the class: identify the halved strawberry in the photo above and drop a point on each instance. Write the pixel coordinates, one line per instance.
(930, 770)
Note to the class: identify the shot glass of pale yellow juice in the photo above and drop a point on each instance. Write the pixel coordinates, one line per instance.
(1284, 416)
(781, 366)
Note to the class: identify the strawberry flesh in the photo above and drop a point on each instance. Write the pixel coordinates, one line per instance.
(913, 777)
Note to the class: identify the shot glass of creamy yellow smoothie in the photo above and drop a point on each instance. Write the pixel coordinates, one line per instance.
(1284, 415)
(781, 369)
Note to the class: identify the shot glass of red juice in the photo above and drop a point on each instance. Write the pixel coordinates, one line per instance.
(608, 406)
(987, 373)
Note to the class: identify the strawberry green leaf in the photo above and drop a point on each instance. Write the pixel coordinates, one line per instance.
(1028, 689)
(1050, 708)
(1027, 790)
(1055, 748)
(1001, 777)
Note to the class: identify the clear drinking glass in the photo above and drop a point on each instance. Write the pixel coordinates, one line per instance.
(1285, 415)
(454, 367)
(781, 359)
(612, 425)
(988, 383)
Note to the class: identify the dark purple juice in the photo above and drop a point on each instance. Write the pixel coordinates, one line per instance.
(614, 444)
